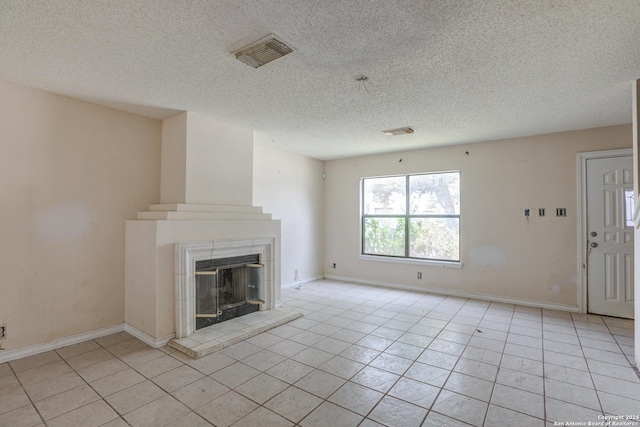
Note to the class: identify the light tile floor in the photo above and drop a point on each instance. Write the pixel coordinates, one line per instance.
(360, 356)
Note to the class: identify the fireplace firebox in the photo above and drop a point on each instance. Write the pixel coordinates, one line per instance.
(227, 288)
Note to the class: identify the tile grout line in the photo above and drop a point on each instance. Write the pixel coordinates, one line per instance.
(427, 347)
(103, 398)
(495, 382)
(430, 409)
(385, 394)
(635, 367)
(33, 405)
(595, 389)
(323, 400)
(396, 340)
(544, 379)
(455, 364)
(458, 357)
(318, 368)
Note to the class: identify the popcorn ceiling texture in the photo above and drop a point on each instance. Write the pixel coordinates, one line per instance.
(456, 72)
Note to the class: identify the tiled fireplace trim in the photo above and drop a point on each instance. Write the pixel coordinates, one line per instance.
(187, 253)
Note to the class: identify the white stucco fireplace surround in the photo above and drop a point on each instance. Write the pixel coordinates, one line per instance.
(205, 212)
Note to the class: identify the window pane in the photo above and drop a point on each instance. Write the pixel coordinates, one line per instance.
(436, 238)
(437, 193)
(628, 204)
(384, 236)
(384, 195)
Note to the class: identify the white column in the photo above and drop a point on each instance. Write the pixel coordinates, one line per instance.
(205, 161)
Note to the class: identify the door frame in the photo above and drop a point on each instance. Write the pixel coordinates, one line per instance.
(582, 216)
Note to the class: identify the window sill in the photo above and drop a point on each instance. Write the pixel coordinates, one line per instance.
(425, 262)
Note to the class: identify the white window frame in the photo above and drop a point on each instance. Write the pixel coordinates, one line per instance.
(407, 216)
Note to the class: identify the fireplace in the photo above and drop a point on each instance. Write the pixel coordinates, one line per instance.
(221, 280)
(225, 292)
(205, 213)
(227, 288)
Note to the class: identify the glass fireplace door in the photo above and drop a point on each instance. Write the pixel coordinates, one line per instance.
(255, 284)
(207, 290)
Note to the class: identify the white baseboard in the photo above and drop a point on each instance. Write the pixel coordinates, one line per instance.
(455, 293)
(9, 355)
(146, 338)
(301, 282)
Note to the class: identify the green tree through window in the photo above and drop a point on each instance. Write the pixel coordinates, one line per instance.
(412, 216)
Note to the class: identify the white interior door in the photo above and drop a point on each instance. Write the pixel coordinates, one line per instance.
(610, 229)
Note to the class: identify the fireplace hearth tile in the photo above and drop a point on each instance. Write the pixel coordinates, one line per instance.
(216, 337)
(207, 336)
(185, 342)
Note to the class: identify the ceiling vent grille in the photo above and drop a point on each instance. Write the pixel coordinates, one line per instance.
(399, 131)
(262, 52)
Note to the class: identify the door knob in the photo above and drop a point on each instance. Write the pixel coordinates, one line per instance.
(593, 234)
(593, 245)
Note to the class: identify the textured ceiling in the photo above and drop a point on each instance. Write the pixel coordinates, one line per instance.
(455, 71)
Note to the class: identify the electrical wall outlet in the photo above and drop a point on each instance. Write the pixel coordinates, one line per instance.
(540, 211)
(527, 212)
(419, 275)
(561, 211)
(3, 331)
(333, 265)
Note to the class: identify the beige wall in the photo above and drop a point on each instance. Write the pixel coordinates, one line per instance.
(290, 187)
(71, 173)
(503, 253)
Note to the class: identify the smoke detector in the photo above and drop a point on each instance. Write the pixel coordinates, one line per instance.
(262, 52)
(399, 131)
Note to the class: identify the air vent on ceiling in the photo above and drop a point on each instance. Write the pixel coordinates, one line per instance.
(399, 131)
(262, 52)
